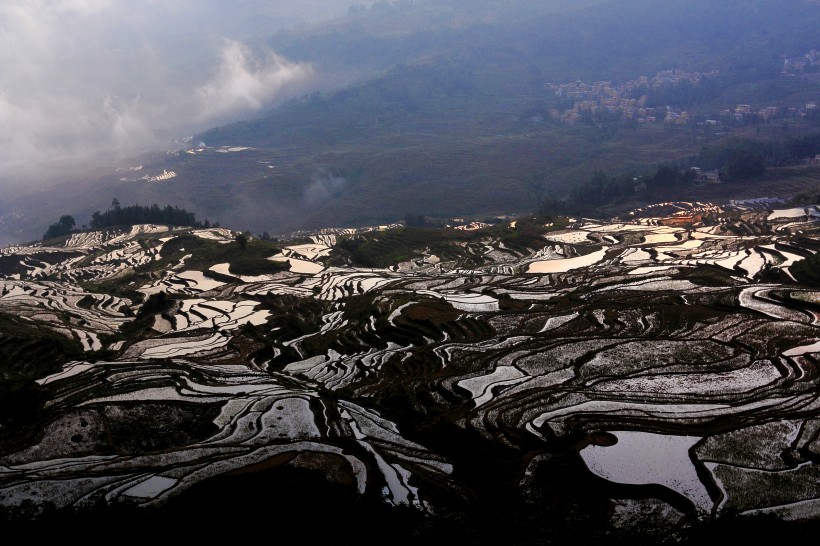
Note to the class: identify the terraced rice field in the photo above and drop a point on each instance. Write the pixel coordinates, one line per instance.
(653, 356)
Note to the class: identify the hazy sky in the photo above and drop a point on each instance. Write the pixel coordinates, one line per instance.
(78, 77)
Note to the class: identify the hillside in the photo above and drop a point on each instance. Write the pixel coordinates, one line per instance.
(459, 384)
(450, 108)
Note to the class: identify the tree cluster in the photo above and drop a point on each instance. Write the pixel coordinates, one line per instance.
(807, 270)
(137, 214)
(735, 159)
(740, 158)
(682, 94)
(602, 190)
(63, 226)
(131, 215)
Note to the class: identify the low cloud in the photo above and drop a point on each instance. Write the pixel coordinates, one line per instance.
(324, 187)
(83, 77)
(245, 81)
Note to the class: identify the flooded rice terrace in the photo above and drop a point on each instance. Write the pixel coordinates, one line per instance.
(654, 351)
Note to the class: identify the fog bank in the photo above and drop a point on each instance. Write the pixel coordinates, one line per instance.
(87, 78)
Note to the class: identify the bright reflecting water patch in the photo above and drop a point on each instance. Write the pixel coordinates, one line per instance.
(151, 487)
(645, 458)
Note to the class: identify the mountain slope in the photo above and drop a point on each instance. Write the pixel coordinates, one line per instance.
(453, 118)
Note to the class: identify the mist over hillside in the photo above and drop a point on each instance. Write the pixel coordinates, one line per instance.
(87, 80)
(434, 107)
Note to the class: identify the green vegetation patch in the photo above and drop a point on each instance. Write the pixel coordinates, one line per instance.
(807, 270)
(758, 446)
(155, 304)
(773, 338)
(132, 428)
(466, 248)
(246, 257)
(749, 488)
(807, 297)
(28, 353)
(705, 276)
(253, 264)
(386, 248)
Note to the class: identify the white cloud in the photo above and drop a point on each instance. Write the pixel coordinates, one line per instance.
(78, 6)
(244, 81)
(324, 187)
(80, 77)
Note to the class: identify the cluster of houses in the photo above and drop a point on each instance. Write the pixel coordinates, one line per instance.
(742, 112)
(603, 95)
(712, 177)
(793, 66)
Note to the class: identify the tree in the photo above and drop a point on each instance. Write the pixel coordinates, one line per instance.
(743, 164)
(737, 158)
(96, 220)
(242, 240)
(63, 226)
(414, 220)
